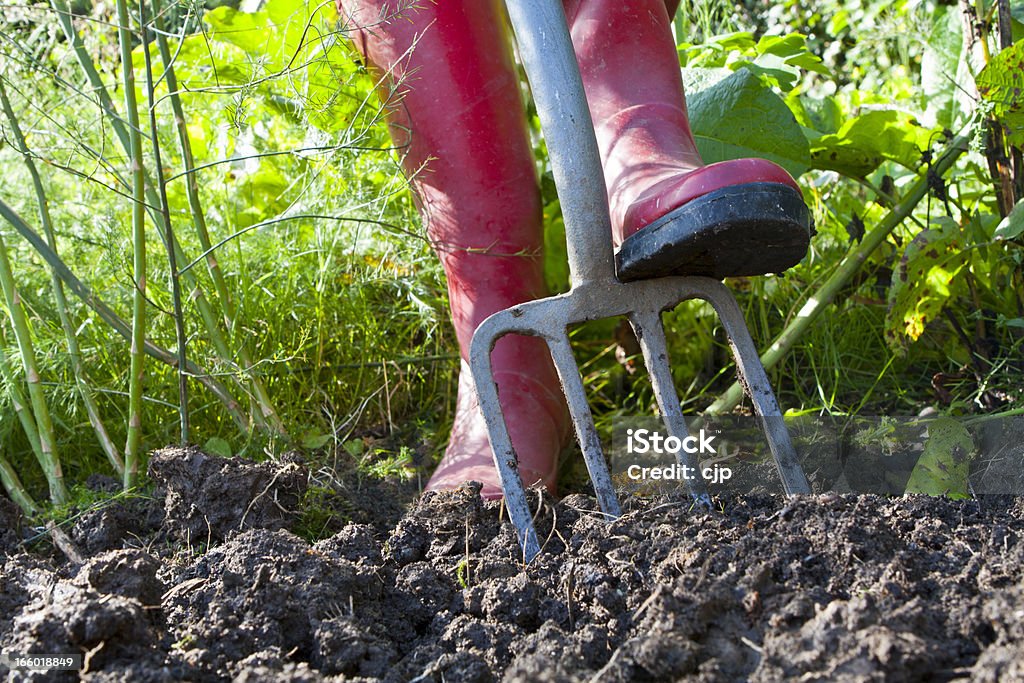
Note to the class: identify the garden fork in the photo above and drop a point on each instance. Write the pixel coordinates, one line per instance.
(550, 63)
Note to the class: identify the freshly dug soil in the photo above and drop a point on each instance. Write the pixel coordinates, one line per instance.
(829, 587)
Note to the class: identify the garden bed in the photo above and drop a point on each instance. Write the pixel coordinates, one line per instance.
(206, 582)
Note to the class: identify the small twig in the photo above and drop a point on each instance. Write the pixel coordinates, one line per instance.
(596, 678)
(647, 603)
(262, 493)
(64, 543)
(752, 645)
(87, 659)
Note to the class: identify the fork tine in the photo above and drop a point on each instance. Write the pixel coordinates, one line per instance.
(651, 334)
(752, 375)
(501, 443)
(583, 422)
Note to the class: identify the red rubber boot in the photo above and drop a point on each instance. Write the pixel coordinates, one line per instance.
(671, 214)
(468, 155)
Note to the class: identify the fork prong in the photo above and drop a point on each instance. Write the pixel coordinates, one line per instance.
(651, 334)
(501, 443)
(753, 377)
(583, 421)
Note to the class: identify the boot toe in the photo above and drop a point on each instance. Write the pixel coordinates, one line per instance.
(740, 230)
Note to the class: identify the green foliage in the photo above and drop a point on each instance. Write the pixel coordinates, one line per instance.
(942, 468)
(739, 116)
(928, 276)
(863, 143)
(1012, 226)
(384, 464)
(321, 511)
(1001, 83)
(305, 206)
(777, 60)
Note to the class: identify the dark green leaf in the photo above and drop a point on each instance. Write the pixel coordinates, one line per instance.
(943, 466)
(739, 116)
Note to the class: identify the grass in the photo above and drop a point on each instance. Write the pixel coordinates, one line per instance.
(324, 312)
(334, 307)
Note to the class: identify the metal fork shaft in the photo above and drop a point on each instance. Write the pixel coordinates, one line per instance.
(550, 64)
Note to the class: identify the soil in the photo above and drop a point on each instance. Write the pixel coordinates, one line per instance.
(207, 582)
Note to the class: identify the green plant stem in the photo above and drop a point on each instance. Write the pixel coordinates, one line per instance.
(114, 321)
(20, 404)
(124, 134)
(47, 454)
(179, 319)
(15, 489)
(77, 368)
(266, 406)
(824, 295)
(133, 442)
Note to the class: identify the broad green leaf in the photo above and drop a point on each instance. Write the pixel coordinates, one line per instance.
(354, 447)
(924, 281)
(1001, 83)
(792, 50)
(783, 46)
(313, 440)
(810, 62)
(943, 466)
(862, 144)
(739, 116)
(218, 446)
(248, 31)
(820, 116)
(281, 12)
(697, 79)
(771, 71)
(1013, 225)
(939, 60)
(741, 40)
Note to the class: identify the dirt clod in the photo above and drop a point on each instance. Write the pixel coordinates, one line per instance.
(209, 497)
(837, 587)
(10, 526)
(127, 573)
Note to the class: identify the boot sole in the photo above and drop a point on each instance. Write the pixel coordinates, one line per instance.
(742, 230)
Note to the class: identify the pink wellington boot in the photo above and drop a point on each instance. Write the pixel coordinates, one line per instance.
(467, 153)
(671, 214)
